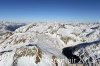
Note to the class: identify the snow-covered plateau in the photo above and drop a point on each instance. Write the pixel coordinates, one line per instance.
(49, 44)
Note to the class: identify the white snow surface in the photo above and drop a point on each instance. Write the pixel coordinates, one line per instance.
(41, 44)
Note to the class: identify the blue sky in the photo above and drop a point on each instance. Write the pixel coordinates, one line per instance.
(39, 10)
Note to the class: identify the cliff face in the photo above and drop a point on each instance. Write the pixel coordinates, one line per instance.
(89, 52)
(86, 53)
(41, 44)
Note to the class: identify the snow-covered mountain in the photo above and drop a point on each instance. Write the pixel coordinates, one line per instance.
(42, 44)
(7, 29)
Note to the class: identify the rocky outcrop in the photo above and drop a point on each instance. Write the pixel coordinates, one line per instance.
(50, 44)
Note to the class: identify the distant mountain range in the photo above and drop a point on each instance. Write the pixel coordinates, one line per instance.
(49, 44)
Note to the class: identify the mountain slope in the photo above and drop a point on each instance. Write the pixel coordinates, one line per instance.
(42, 43)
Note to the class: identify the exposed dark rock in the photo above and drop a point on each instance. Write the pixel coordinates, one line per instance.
(95, 27)
(68, 52)
(90, 33)
(13, 27)
(5, 51)
(82, 52)
(31, 45)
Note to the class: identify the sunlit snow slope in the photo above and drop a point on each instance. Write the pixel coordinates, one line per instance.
(41, 44)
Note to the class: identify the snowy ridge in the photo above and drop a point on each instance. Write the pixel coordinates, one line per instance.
(88, 52)
(7, 29)
(37, 43)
